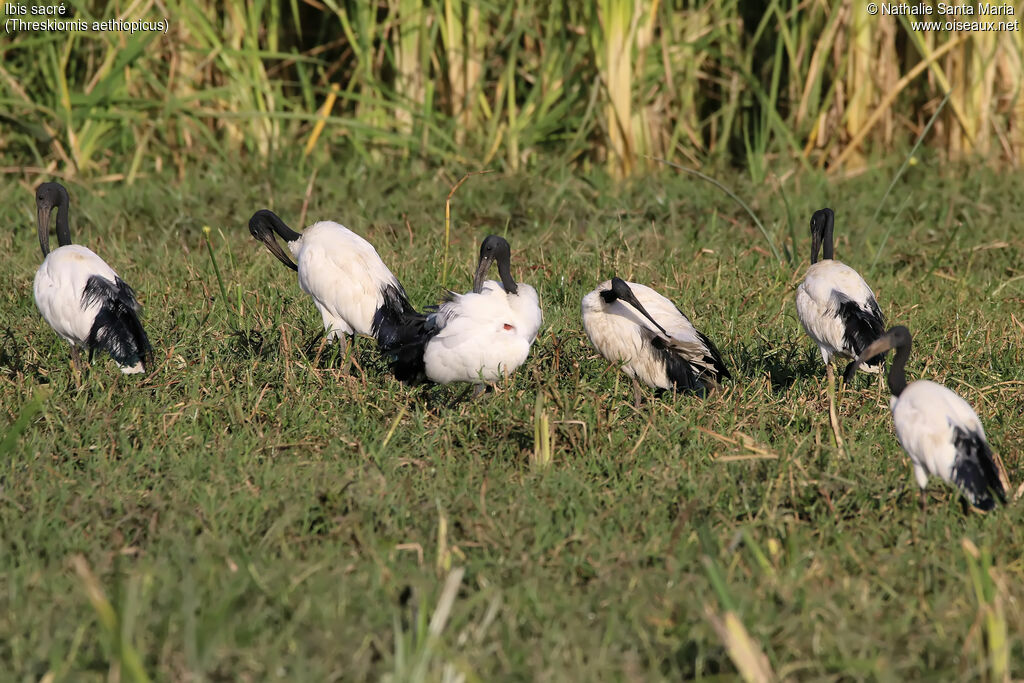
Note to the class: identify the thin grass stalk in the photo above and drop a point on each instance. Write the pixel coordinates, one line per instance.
(899, 174)
(448, 222)
(216, 269)
(541, 456)
(735, 198)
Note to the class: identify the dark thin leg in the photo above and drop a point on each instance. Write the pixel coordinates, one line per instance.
(459, 398)
(636, 394)
(350, 351)
(923, 500)
(76, 366)
(833, 415)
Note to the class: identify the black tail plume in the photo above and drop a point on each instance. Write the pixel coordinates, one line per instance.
(116, 328)
(974, 471)
(721, 372)
(862, 327)
(402, 334)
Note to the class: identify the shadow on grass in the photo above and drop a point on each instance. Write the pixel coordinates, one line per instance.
(787, 362)
(12, 360)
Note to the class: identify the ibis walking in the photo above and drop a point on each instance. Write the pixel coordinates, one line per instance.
(477, 337)
(341, 271)
(632, 324)
(939, 430)
(835, 306)
(81, 297)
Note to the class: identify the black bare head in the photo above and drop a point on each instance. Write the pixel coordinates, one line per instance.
(896, 338)
(822, 223)
(620, 291)
(48, 196)
(495, 248)
(263, 224)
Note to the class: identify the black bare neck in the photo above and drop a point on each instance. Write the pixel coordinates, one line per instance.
(897, 378)
(63, 227)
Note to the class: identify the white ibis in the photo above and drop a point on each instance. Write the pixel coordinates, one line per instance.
(939, 430)
(340, 270)
(835, 306)
(477, 337)
(81, 297)
(632, 324)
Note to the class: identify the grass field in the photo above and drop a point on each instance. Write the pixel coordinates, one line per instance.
(249, 511)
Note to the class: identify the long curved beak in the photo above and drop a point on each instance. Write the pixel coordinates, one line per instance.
(632, 301)
(881, 345)
(43, 226)
(875, 348)
(481, 273)
(277, 251)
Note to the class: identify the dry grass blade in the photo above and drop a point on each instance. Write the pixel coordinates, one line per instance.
(750, 661)
(125, 653)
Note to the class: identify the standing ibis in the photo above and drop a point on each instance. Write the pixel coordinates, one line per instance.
(835, 306)
(341, 271)
(632, 324)
(477, 337)
(81, 297)
(939, 430)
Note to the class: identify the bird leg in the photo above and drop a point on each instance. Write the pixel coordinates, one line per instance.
(76, 366)
(477, 389)
(833, 416)
(923, 500)
(636, 394)
(350, 352)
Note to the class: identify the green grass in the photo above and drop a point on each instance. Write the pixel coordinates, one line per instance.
(243, 514)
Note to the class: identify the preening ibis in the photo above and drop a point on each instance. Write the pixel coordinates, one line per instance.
(939, 430)
(477, 337)
(835, 306)
(632, 324)
(81, 297)
(341, 271)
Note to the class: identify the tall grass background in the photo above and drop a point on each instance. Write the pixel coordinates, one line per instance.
(607, 83)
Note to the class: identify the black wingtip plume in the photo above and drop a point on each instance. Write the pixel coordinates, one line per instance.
(975, 470)
(402, 333)
(117, 328)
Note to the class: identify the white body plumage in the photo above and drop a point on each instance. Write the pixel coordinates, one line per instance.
(656, 357)
(59, 290)
(344, 275)
(938, 429)
(482, 337)
(926, 417)
(830, 292)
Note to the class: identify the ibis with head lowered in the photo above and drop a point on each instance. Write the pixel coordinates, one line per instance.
(632, 324)
(939, 430)
(342, 273)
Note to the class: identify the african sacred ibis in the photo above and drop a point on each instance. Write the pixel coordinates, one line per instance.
(477, 337)
(651, 337)
(836, 307)
(939, 431)
(81, 297)
(340, 270)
